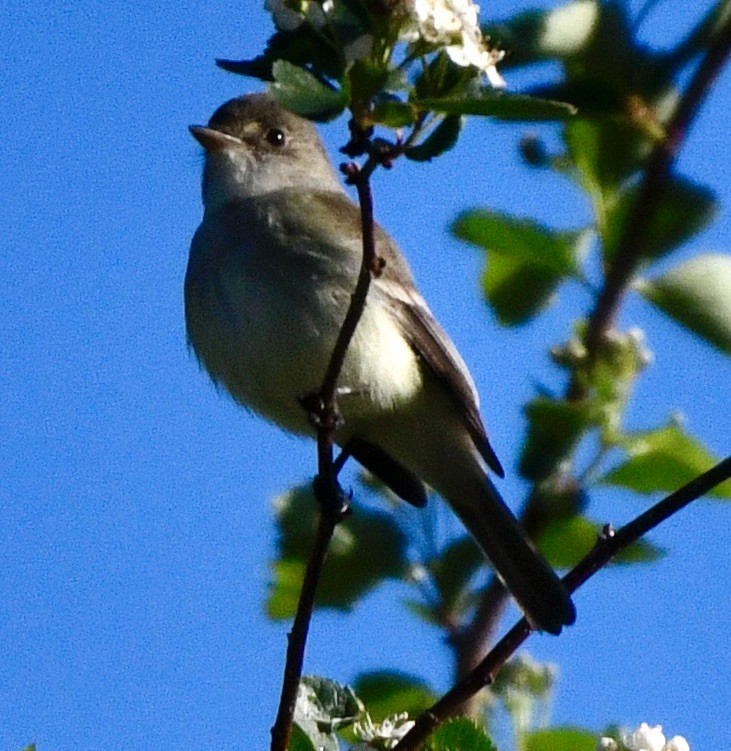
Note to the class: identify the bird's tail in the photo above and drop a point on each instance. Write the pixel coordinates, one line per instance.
(523, 570)
(440, 453)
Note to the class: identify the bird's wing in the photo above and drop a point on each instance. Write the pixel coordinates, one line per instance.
(395, 284)
(437, 352)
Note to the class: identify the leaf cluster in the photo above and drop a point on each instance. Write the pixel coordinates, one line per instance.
(356, 59)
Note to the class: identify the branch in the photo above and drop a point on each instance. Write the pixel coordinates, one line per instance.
(333, 502)
(323, 407)
(612, 542)
(634, 235)
(297, 637)
(607, 546)
(360, 178)
(470, 643)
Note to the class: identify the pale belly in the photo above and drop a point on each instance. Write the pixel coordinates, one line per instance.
(270, 344)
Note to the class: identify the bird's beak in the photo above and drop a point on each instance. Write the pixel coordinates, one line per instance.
(213, 140)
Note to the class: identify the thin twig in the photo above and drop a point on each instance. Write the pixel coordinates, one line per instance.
(333, 503)
(361, 179)
(608, 545)
(297, 637)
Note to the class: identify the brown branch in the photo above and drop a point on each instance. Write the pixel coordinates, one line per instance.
(611, 542)
(323, 407)
(634, 235)
(619, 276)
(608, 545)
(333, 502)
(361, 179)
(297, 637)
(471, 643)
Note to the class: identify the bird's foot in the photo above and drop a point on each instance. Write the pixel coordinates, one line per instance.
(319, 415)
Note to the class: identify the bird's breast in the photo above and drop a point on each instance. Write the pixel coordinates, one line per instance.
(265, 330)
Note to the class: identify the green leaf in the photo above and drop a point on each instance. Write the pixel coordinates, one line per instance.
(441, 139)
(596, 100)
(501, 105)
(318, 739)
(284, 589)
(299, 740)
(442, 78)
(640, 551)
(533, 36)
(607, 71)
(662, 461)
(554, 429)
(606, 152)
(459, 734)
(330, 704)
(560, 739)
(425, 612)
(369, 545)
(526, 261)
(517, 291)
(522, 239)
(684, 210)
(453, 569)
(697, 295)
(300, 91)
(386, 693)
(366, 79)
(594, 41)
(564, 542)
(393, 113)
(302, 47)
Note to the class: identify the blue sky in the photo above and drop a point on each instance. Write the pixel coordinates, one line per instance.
(135, 515)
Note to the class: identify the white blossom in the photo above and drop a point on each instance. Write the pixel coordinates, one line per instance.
(606, 744)
(677, 743)
(385, 735)
(568, 28)
(453, 25)
(645, 738)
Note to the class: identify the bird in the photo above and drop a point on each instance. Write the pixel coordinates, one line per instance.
(270, 275)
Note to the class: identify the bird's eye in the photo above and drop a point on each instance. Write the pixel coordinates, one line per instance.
(275, 137)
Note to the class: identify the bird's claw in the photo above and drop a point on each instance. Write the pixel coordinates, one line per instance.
(319, 416)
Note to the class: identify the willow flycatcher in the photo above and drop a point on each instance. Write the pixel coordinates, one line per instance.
(271, 272)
